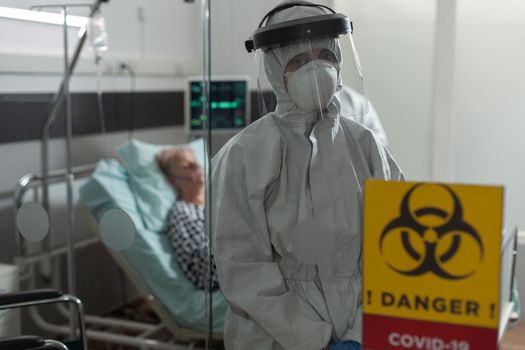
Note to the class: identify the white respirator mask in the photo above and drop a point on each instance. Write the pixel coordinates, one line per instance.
(313, 85)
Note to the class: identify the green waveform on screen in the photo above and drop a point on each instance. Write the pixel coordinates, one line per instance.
(218, 104)
(224, 104)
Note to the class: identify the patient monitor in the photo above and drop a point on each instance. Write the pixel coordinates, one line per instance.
(229, 105)
(229, 108)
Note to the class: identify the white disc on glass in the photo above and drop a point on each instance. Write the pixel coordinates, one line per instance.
(312, 242)
(32, 222)
(117, 229)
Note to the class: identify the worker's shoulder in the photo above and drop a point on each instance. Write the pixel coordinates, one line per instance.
(260, 130)
(266, 121)
(360, 133)
(355, 126)
(257, 135)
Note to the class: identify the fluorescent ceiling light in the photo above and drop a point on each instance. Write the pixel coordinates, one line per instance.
(42, 17)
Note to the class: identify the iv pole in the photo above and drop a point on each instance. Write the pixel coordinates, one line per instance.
(58, 99)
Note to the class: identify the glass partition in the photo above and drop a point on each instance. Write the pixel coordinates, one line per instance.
(187, 157)
(213, 293)
(120, 206)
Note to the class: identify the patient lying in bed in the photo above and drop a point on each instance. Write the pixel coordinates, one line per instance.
(186, 229)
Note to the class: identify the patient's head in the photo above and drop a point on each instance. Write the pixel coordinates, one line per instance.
(183, 173)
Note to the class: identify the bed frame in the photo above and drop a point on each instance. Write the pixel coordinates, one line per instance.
(98, 328)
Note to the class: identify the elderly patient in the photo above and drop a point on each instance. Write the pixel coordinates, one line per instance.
(186, 218)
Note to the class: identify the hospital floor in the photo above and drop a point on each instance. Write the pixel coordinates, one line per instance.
(514, 339)
(140, 311)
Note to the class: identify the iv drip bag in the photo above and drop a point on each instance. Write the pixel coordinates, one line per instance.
(98, 37)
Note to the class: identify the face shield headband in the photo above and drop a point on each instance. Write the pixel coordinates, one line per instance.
(274, 35)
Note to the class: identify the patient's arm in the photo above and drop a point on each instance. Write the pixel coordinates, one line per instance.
(189, 242)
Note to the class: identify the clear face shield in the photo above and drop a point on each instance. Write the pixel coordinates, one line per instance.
(317, 72)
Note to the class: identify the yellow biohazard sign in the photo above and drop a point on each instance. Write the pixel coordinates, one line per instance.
(432, 252)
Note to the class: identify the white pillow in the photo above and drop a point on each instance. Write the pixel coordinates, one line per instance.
(153, 194)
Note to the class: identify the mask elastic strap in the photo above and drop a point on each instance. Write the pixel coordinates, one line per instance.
(316, 86)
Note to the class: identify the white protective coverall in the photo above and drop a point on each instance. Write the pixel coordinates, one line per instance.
(352, 101)
(285, 168)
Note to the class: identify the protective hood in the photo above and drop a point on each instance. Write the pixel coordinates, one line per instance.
(275, 61)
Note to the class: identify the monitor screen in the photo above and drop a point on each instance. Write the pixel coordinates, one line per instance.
(229, 105)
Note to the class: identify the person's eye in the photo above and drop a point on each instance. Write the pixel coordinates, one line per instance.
(328, 56)
(300, 61)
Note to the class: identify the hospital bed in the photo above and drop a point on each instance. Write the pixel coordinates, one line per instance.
(148, 263)
(136, 186)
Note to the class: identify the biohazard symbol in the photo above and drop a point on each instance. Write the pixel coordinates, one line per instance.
(429, 238)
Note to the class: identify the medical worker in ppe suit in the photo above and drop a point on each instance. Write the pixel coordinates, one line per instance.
(287, 195)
